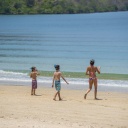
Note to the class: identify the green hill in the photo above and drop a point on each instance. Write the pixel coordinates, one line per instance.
(61, 6)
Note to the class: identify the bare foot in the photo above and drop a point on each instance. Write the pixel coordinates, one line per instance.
(60, 99)
(54, 99)
(85, 96)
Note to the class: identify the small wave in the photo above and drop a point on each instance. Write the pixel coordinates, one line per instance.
(18, 77)
(11, 73)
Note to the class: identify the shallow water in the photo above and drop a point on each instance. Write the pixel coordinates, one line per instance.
(68, 40)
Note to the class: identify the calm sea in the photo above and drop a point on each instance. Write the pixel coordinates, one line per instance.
(68, 40)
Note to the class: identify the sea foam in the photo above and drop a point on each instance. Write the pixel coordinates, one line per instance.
(19, 78)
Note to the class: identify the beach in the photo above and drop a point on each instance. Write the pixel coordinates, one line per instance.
(70, 41)
(18, 109)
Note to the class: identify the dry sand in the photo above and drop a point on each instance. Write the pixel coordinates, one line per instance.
(18, 109)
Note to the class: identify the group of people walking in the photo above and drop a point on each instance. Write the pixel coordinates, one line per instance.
(90, 71)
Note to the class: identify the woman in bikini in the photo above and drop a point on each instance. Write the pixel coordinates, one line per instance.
(91, 71)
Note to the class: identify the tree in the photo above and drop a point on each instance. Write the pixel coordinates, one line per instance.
(30, 3)
(7, 10)
(57, 9)
(18, 5)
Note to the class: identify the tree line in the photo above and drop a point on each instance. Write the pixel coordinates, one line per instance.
(61, 6)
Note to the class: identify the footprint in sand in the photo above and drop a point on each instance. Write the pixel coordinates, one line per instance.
(1, 116)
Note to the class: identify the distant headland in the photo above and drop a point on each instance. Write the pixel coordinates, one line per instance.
(61, 6)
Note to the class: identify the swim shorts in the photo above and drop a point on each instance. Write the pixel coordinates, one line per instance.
(34, 84)
(57, 85)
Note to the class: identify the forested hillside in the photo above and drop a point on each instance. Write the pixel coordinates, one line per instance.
(61, 6)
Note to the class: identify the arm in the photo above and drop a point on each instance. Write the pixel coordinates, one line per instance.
(53, 81)
(30, 75)
(98, 70)
(37, 73)
(87, 71)
(64, 79)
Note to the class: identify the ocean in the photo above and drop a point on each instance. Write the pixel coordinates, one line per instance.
(68, 40)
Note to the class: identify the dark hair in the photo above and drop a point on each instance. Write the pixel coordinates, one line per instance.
(57, 67)
(33, 68)
(92, 62)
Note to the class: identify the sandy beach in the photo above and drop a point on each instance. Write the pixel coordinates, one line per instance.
(18, 109)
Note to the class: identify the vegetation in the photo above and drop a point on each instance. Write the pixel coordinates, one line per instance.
(61, 6)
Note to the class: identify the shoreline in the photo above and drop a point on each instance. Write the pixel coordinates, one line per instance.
(103, 76)
(20, 109)
(73, 87)
(22, 78)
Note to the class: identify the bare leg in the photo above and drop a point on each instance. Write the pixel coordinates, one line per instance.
(32, 92)
(55, 96)
(59, 95)
(90, 87)
(95, 91)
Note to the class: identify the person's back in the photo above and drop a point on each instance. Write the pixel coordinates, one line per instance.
(57, 75)
(33, 75)
(91, 71)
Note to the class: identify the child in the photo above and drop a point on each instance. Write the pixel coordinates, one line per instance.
(91, 71)
(33, 75)
(56, 78)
